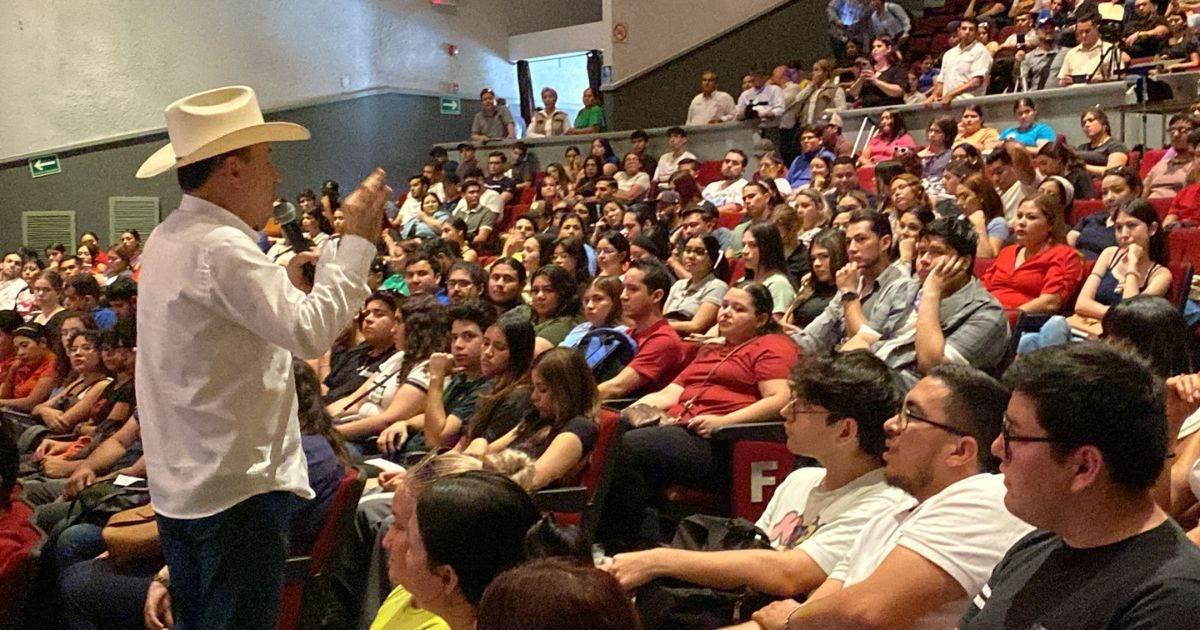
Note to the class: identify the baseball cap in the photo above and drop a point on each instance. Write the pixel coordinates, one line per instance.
(329, 186)
(668, 196)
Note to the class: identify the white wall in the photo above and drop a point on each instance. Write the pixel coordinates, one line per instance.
(661, 29)
(79, 71)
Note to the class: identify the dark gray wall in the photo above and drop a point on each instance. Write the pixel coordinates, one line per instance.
(543, 15)
(660, 97)
(349, 139)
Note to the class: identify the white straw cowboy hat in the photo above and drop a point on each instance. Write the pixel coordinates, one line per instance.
(210, 123)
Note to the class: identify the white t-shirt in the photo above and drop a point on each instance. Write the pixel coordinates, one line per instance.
(625, 181)
(668, 164)
(825, 524)
(380, 397)
(965, 530)
(720, 192)
(960, 66)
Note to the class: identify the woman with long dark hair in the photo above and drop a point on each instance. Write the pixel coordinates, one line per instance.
(892, 137)
(881, 81)
(73, 403)
(570, 254)
(827, 255)
(1096, 232)
(1057, 158)
(982, 206)
(762, 253)
(508, 347)
(1101, 151)
(560, 430)
(555, 304)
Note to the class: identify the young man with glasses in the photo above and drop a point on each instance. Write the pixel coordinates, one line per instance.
(1084, 441)
(918, 564)
(836, 415)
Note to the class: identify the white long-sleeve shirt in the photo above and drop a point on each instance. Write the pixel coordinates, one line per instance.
(218, 324)
(705, 109)
(766, 100)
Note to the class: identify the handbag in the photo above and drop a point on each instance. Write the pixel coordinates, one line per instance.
(132, 535)
(668, 603)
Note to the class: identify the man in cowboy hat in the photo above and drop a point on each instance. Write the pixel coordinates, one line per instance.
(218, 325)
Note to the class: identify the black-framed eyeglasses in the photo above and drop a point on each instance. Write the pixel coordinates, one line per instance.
(906, 414)
(1010, 437)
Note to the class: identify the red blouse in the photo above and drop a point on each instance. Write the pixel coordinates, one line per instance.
(1057, 270)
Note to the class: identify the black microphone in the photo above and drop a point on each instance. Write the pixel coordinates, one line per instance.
(289, 223)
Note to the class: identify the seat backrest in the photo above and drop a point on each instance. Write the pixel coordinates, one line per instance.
(866, 179)
(1083, 208)
(1148, 160)
(758, 468)
(338, 518)
(1181, 282)
(729, 219)
(598, 476)
(527, 195)
(1162, 205)
(708, 173)
(1183, 245)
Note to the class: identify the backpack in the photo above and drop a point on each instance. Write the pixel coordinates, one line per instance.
(607, 351)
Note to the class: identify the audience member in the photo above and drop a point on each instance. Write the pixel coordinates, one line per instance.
(497, 179)
(11, 283)
(762, 101)
(548, 121)
(351, 367)
(836, 416)
(1181, 45)
(888, 19)
(1009, 178)
(1146, 31)
(881, 81)
(493, 122)
(829, 128)
(1168, 177)
(660, 353)
(827, 255)
(891, 140)
(555, 302)
(965, 67)
(588, 597)
(668, 164)
(1058, 159)
(848, 22)
(82, 294)
(911, 566)
(863, 284)
(1039, 273)
(1092, 59)
(1083, 442)
(1096, 232)
(972, 131)
(726, 193)
(711, 105)
(1028, 132)
(1038, 64)
(1101, 152)
(73, 402)
(983, 207)
(935, 157)
(695, 298)
(632, 180)
(766, 264)
(29, 379)
(590, 119)
(800, 172)
(18, 536)
(601, 309)
(742, 379)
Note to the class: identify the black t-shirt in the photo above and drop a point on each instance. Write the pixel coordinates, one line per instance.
(1182, 50)
(1081, 180)
(872, 96)
(1151, 580)
(1098, 156)
(502, 184)
(501, 418)
(536, 443)
(350, 368)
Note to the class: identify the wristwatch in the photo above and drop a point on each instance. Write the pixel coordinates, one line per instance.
(849, 295)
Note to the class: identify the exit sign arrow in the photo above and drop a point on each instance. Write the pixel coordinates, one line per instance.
(44, 165)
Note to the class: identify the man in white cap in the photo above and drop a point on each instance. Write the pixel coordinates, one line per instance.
(218, 325)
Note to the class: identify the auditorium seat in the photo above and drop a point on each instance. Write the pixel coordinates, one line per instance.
(1148, 160)
(1181, 282)
(581, 505)
(866, 179)
(708, 173)
(1083, 208)
(303, 572)
(729, 219)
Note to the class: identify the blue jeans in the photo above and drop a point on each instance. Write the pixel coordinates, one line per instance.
(227, 569)
(1055, 332)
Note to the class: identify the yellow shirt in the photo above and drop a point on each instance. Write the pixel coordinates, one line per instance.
(399, 613)
(984, 139)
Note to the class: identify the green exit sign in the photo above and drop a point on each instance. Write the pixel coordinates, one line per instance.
(451, 106)
(44, 165)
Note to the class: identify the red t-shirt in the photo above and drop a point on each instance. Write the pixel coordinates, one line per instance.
(734, 382)
(17, 539)
(1056, 270)
(1186, 205)
(660, 354)
(24, 378)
